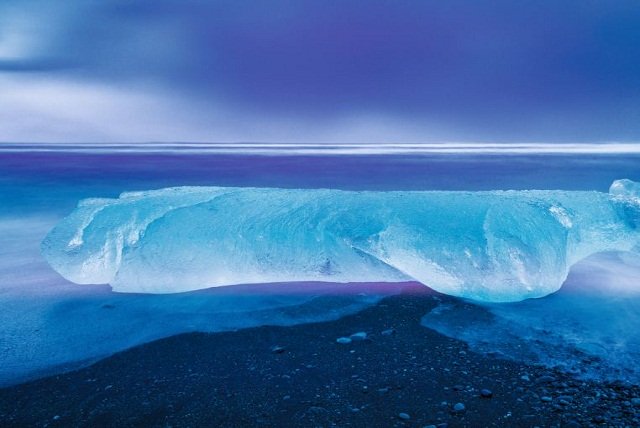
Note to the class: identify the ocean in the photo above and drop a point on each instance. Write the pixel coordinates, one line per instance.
(50, 325)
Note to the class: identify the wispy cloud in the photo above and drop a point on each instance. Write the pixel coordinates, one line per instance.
(352, 71)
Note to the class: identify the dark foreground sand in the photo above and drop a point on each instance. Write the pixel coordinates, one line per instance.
(300, 376)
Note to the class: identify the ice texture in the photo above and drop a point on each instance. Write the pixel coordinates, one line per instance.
(489, 246)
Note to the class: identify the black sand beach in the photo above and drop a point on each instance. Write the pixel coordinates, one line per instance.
(402, 374)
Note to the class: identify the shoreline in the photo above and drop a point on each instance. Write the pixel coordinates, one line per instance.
(402, 374)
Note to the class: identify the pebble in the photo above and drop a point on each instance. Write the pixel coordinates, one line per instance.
(458, 407)
(56, 417)
(389, 332)
(486, 393)
(404, 416)
(317, 410)
(546, 379)
(343, 340)
(545, 399)
(525, 378)
(361, 335)
(278, 349)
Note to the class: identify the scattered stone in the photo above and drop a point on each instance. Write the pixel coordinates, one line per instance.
(546, 379)
(278, 349)
(486, 393)
(543, 396)
(361, 335)
(317, 409)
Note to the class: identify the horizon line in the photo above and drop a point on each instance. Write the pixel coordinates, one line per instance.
(324, 148)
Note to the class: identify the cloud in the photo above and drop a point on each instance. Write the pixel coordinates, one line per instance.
(75, 110)
(414, 70)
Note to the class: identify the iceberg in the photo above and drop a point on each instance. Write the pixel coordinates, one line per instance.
(492, 246)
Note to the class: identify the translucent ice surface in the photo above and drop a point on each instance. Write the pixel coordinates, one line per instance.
(488, 246)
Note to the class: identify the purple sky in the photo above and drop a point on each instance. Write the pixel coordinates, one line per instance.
(321, 71)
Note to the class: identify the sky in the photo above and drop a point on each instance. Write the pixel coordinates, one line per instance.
(299, 71)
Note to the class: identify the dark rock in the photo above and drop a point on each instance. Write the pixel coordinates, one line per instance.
(458, 407)
(278, 349)
(545, 379)
(361, 335)
(486, 393)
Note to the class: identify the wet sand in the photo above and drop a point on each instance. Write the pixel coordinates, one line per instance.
(402, 374)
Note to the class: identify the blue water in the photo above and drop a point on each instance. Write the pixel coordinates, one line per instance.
(55, 181)
(48, 323)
